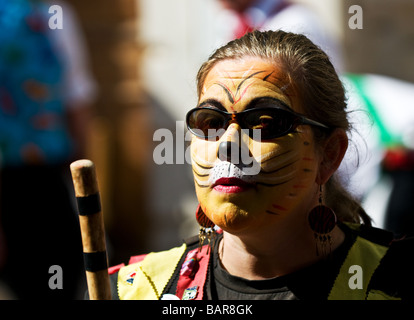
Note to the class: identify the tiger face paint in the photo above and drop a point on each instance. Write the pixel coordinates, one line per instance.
(285, 184)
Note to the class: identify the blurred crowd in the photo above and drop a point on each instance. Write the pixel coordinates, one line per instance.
(46, 90)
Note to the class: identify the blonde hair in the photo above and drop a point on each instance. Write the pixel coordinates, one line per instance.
(309, 72)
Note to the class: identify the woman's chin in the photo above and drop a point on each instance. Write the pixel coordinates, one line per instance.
(232, 219)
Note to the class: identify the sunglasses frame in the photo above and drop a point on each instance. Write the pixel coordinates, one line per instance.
(299, 119)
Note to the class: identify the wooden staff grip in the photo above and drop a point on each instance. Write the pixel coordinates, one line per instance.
(92, 229)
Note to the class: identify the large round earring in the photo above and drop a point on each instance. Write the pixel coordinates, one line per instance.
(206, 228)
(322, 220)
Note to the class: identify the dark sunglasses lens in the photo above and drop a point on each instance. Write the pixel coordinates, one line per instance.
(271, 123)
(206, 122)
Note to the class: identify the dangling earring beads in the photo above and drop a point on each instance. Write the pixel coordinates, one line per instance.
(322, 221)
(206, 229)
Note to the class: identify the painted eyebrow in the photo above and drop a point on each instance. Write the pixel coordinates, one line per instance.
(247, 78)
(211, 103)
(252, 104)
(277, 102)
(231, 96)
(227, 91)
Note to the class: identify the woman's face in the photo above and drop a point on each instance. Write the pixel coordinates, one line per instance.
(285, 184)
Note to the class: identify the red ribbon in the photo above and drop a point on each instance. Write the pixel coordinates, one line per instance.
(198, 276)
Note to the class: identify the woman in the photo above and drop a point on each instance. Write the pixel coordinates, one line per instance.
(272, 101)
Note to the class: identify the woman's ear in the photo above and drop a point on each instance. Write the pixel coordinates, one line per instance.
(332, 153)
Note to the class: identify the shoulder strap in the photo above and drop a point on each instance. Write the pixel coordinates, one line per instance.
(193, 274)
(363, 257)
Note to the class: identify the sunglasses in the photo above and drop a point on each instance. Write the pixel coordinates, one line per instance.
(273, 122)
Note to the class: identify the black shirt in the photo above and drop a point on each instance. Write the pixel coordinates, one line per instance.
(312, 283)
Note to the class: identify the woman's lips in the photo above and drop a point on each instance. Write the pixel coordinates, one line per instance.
(231, 185)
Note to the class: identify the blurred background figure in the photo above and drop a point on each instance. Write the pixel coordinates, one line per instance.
(380, 170)
(241, 16)
(45, 94)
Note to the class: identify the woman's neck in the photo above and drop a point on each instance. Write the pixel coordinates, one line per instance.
(268, 254)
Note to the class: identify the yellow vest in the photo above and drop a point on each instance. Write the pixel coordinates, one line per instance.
(364, 257)
(146, 280)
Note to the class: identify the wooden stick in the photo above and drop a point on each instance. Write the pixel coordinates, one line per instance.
(92, 229)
